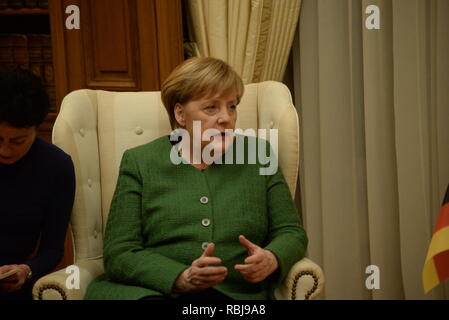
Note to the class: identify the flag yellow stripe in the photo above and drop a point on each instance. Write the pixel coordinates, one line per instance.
(439, 243)
(429, 276)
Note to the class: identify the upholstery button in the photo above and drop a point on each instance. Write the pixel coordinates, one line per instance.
(271, 124)
(205, 222)
(82, 133)
(138, 131)
(204, 245)
(204, 200)
(89, 183)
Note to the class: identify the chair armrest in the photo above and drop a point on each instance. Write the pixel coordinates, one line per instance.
(53, 286)
(304, 281)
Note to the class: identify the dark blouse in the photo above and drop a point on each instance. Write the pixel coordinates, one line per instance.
(36, 199)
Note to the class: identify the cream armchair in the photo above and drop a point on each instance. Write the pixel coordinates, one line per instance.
(95, 127)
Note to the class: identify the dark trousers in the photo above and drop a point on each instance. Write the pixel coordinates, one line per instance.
(23, 294)
(208, 294)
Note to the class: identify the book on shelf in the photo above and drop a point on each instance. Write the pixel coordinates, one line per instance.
(14, 51)
(35, 54)
(15, 4)
(51, 91)
(30, 3)
(48, 75)
(3, 4)
(43, 4)
(6, 51)
(20, 47)
(47, 59)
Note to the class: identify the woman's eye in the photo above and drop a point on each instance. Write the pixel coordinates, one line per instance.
(17, 143)
(233, 107)
(210, 107)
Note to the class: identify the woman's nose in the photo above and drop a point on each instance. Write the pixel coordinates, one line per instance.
(5, 151)
(224, 116)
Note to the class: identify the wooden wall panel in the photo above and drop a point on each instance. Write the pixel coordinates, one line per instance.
(148, 44)
(123, 45)
(111, 44)
(170, 37)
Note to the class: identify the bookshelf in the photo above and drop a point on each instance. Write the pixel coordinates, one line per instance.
(26, 41)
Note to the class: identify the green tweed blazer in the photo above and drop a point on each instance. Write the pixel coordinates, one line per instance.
(162, 215)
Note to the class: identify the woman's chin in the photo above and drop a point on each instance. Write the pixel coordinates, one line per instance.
(7, 160)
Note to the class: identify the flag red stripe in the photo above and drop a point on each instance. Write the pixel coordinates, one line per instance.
(443, 218)
(441, 262)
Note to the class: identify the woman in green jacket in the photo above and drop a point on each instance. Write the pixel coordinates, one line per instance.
(200, 227)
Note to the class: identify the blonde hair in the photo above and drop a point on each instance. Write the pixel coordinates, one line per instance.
(196, 78)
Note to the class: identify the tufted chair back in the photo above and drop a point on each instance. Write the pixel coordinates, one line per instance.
(95, 127)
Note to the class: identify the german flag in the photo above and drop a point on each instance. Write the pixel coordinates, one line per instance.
(436, 267)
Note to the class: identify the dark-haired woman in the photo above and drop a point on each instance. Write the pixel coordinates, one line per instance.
(37, 186)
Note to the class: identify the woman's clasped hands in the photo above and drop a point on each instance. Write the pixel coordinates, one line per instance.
(204, 273)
